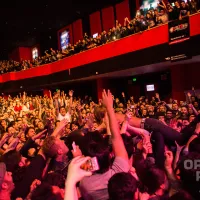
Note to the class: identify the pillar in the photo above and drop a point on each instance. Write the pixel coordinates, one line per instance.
(178, 81)
(102, 83)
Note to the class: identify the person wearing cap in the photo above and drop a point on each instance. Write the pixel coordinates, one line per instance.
(6, 183)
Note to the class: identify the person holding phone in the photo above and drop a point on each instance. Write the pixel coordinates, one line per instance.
(99, 180)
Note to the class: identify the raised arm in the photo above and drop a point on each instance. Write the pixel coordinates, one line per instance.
(71, 92)
(117, 142)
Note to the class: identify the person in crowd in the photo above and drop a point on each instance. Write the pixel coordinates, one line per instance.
(133, 142)
(143, 20)
(184, 10)
(177, 10)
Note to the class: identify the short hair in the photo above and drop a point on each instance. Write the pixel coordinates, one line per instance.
(11, 160)
(61, 108)
(122, 186)
(152, 175)
(27, 130)
(9, 126)
(99, 113)
(45, 191)
(99, 149)
(50, 147)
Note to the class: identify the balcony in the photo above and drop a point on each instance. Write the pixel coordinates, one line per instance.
(91, 62)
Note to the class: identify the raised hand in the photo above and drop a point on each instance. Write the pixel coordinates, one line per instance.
(60, 128)
(197, 130)
(168, 159)
(107, 99)
(157, 96)
(189, 94)
(34, 184)
(75, 173)
(190, 106)
(71, 92)
(178, 147)
(76, 150)
(39, 135)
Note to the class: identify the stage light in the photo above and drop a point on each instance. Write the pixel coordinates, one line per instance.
(134, 79)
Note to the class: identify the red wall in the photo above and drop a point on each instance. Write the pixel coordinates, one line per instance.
(77, 30)
(14, 55)
(25, 53)
(184, 77)
(69, 27)
(122, 11)
(95, 23)
(21, 53)
(108, 18)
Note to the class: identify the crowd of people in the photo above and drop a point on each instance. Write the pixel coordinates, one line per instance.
(65, 147)
(144, 20)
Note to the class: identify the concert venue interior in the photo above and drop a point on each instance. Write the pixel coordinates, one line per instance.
(100, 100)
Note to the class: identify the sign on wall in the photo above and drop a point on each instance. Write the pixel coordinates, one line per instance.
(179, 30)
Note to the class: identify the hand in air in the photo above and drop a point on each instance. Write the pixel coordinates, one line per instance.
(168, 159)
(107, 99)
(75, 173)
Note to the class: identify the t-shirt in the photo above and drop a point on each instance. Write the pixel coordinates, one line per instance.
(95, 187)
(184, 11)
(176, 13)
(18, 108)
(67, 116)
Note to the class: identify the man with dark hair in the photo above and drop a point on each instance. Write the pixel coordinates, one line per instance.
(99, 180)
(177, 9)
(54, 147)
(122, 186)
(11, 160)
(99, 114)
(184, 11)
(46, 191)
(154, 180)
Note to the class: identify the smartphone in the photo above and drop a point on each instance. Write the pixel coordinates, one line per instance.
(91, 165)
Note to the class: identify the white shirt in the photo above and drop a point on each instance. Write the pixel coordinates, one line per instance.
(67, 116)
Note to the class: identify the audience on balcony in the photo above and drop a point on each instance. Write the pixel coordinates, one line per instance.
(143, 149)
(144, 20)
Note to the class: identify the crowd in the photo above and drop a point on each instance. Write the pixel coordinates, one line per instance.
(64, 147)
(144, 20)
